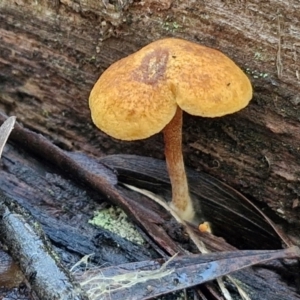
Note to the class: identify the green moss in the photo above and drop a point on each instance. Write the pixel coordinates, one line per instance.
(171, 26)
(115, 220)
(45, 113)
(256, 74)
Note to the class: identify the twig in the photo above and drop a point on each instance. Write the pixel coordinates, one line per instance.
(29, 246)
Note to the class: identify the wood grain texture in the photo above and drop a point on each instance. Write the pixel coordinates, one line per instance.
(51, 53)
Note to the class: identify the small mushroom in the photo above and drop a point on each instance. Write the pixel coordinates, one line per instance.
(145, 93)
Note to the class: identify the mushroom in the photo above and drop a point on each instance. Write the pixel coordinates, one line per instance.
(145, 93)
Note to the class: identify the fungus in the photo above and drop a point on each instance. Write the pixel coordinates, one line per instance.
(145, 93)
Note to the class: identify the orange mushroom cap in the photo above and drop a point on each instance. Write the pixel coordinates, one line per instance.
(138, 95)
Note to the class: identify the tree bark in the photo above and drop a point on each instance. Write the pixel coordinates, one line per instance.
(51, 53)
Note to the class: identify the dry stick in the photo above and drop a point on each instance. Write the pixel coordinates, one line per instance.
(39, 145)
(148, 279)
(29, 247)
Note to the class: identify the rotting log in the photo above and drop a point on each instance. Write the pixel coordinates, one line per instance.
(51, 53)
(63, 209)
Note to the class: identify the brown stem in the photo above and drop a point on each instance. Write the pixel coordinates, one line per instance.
(181, 201)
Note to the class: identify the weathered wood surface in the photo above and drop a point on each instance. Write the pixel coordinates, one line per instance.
(63, 208)
(51, 53)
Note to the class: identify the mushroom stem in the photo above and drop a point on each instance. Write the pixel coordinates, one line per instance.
(181, 201)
